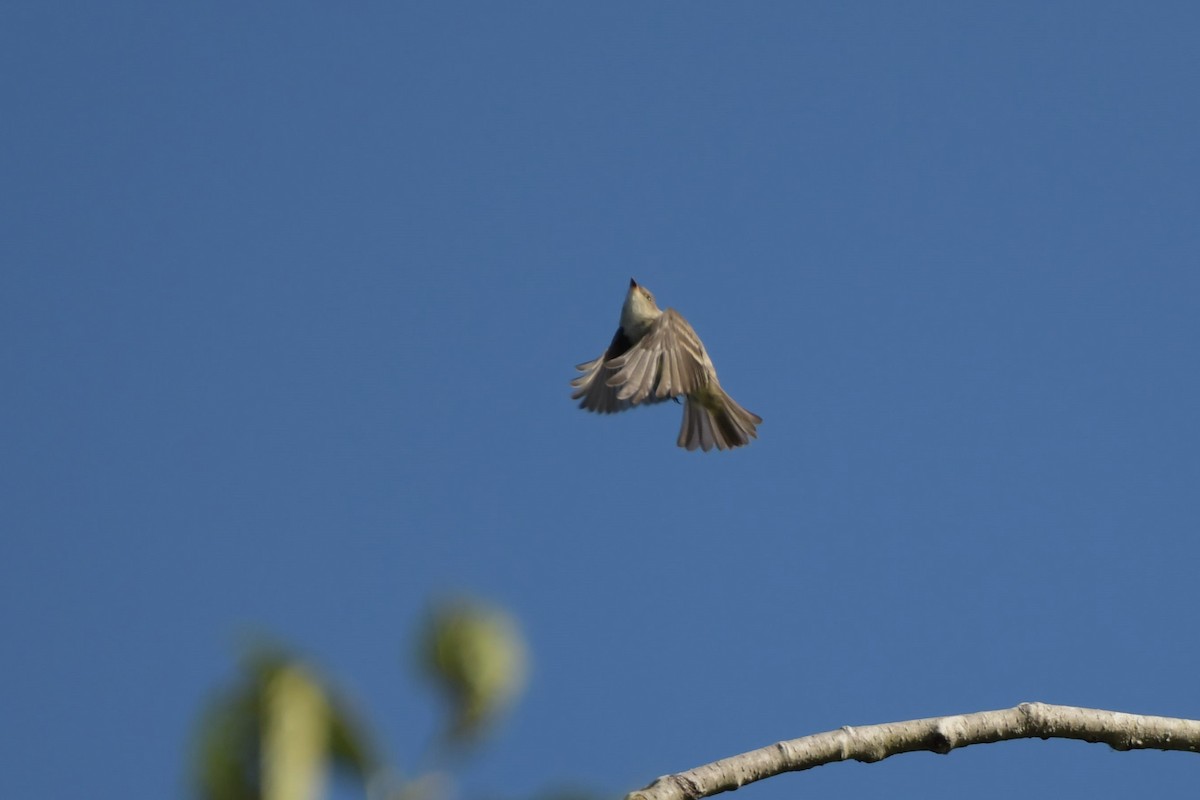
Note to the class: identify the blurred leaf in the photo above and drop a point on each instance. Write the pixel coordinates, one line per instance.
(295, 745)
(227, 750)
(275, 732)
(476, 654)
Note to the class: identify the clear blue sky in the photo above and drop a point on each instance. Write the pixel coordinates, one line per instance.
(291, 294)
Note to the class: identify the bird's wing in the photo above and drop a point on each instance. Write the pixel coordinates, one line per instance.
(593, 393)
(591, 390)
(668, 361)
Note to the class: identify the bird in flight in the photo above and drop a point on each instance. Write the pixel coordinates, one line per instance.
(656, 356)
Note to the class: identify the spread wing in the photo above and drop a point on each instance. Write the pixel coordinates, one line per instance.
(590, 387)
(593, 393)
(668, 361)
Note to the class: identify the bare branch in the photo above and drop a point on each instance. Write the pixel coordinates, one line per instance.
(872, 743)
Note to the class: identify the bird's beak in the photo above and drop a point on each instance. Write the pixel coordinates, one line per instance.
(632, 283)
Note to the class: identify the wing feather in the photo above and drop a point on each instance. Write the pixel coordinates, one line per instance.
(592, 392)
(669, 361)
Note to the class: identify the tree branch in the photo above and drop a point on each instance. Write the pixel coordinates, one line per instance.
(872, 743)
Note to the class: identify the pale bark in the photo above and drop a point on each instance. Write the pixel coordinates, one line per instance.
(871, 743)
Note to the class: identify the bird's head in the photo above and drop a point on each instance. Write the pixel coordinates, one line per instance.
(639, 310)
(641, 295)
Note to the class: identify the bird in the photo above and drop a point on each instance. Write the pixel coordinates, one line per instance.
(655, 356)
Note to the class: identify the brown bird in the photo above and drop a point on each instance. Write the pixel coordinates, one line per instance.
(655, 356)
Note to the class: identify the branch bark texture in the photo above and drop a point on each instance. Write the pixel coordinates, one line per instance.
(872, 743)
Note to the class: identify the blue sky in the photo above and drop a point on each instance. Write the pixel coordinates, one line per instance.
(292, 293)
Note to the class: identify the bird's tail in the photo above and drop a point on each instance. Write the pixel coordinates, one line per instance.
(712, 419)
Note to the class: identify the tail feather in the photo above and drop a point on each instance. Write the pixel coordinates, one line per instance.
(712, 419)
